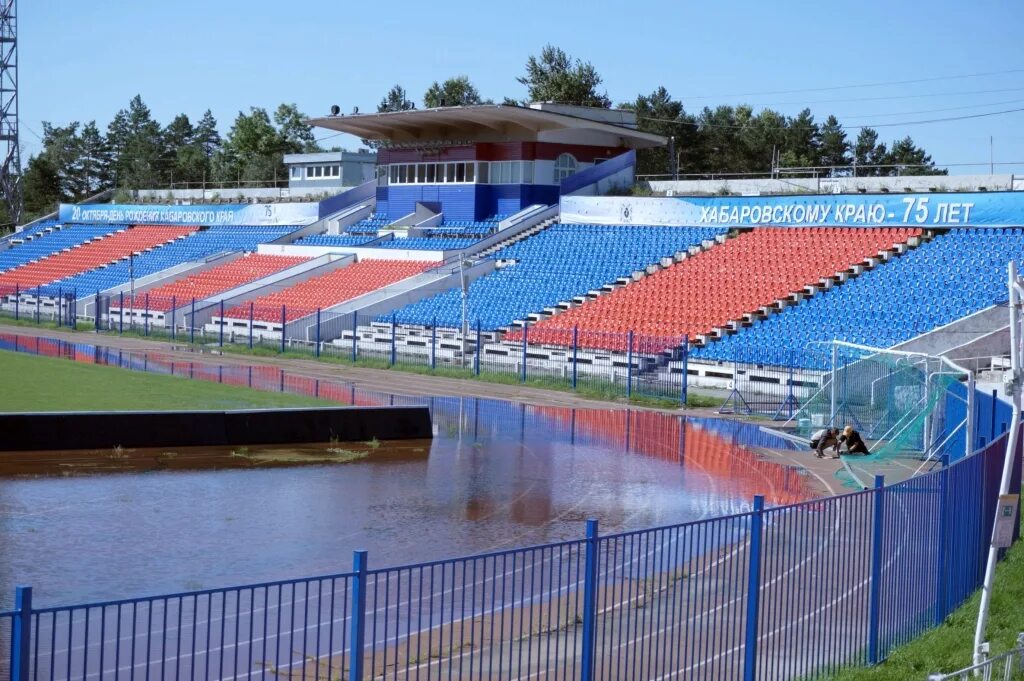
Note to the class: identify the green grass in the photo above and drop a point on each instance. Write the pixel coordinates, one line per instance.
(52, 384)
(950, 646)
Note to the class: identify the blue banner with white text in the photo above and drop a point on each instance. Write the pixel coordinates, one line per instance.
(197, 214)
(841, 210)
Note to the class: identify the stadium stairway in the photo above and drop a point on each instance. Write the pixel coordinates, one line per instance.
(525, 234)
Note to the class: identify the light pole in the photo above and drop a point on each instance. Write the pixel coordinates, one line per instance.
(465, 299)
(131, 280)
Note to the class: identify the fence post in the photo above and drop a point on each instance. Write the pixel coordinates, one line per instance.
(318, 333)
(96, 305)
(589, 602)
(220, 327)
(686, 369)
(525, 334)
(358, 616)
(629, 365)
(17, 301)
(790, 397)
(355, 335)
(476, 357)
(21, 633)
(38, 294)
(392, 339)
(252, 308)
(940, 569)
(284, 325)
(120, 323)
(875, 592)
(174, 318)
(433, 345)
(145, 316)
(60, 307)
(192, 323)
(753, 591)
(575, 355)
(992, 425)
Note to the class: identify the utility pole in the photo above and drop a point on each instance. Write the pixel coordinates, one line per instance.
(991, 157)
(10, 167)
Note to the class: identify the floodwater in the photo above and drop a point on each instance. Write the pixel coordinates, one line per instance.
(496, 475)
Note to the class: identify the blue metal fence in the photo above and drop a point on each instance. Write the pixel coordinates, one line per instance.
(794, 591)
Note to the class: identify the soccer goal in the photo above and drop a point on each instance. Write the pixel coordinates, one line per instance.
(905, 404)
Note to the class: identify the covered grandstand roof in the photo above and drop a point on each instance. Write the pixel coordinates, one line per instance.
(489, 122)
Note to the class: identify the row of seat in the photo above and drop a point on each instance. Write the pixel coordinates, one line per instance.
(334, 240)
(328, 290)
(427, 243)
(200, 245)
(52, 240)
(701, 293)
(955, 274)
(213, 281)
(92, 254)
(557, 264)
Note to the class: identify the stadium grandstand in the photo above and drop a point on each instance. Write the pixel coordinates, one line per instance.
(526, 248)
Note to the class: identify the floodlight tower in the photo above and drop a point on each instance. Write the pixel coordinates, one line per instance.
(10, 166)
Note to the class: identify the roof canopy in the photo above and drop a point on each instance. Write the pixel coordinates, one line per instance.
(487, 123)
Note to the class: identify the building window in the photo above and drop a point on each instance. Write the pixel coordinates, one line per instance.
(296, 173)
(335, 171)
(565, 165)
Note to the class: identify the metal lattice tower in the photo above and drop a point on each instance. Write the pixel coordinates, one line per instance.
(10, 170)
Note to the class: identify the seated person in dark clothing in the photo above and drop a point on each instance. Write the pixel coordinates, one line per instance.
(854, 443)
(823, 439)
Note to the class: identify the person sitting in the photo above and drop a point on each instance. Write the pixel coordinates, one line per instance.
(823, 439)
(854, 442)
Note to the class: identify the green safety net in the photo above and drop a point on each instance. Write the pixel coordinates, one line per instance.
(898, 402)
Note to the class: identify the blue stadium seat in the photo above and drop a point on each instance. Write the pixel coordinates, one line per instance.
(954, 275)
(556, 264)
(217, 239)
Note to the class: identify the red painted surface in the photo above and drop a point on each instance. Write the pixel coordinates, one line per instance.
(499, 151)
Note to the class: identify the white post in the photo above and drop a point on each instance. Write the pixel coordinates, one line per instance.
(1013, 385)
(465, 295)
(835, 362)
(970, 413)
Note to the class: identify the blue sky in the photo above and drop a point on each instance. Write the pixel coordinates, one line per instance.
(83, 61)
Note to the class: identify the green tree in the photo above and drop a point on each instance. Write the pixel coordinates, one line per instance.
(803, 141)
(206, 135)
(911, 160)
(61, 147)
(557, 77)
(457, 91)
(41, 185)
(660, 114)
(92, 167)
(395, 100)
(868, 152)
(834, 148)
(252, 151)
(135, 142)
(296, 135)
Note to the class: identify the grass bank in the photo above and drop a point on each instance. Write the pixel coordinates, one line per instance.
(34, 383)
(949, 647)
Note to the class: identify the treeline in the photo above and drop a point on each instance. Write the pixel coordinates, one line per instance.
(137, 152)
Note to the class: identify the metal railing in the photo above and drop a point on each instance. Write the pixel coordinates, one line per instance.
(1006, 666)
(792, 591)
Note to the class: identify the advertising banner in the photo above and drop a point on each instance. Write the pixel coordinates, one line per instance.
(196, 214)
(844, 210)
